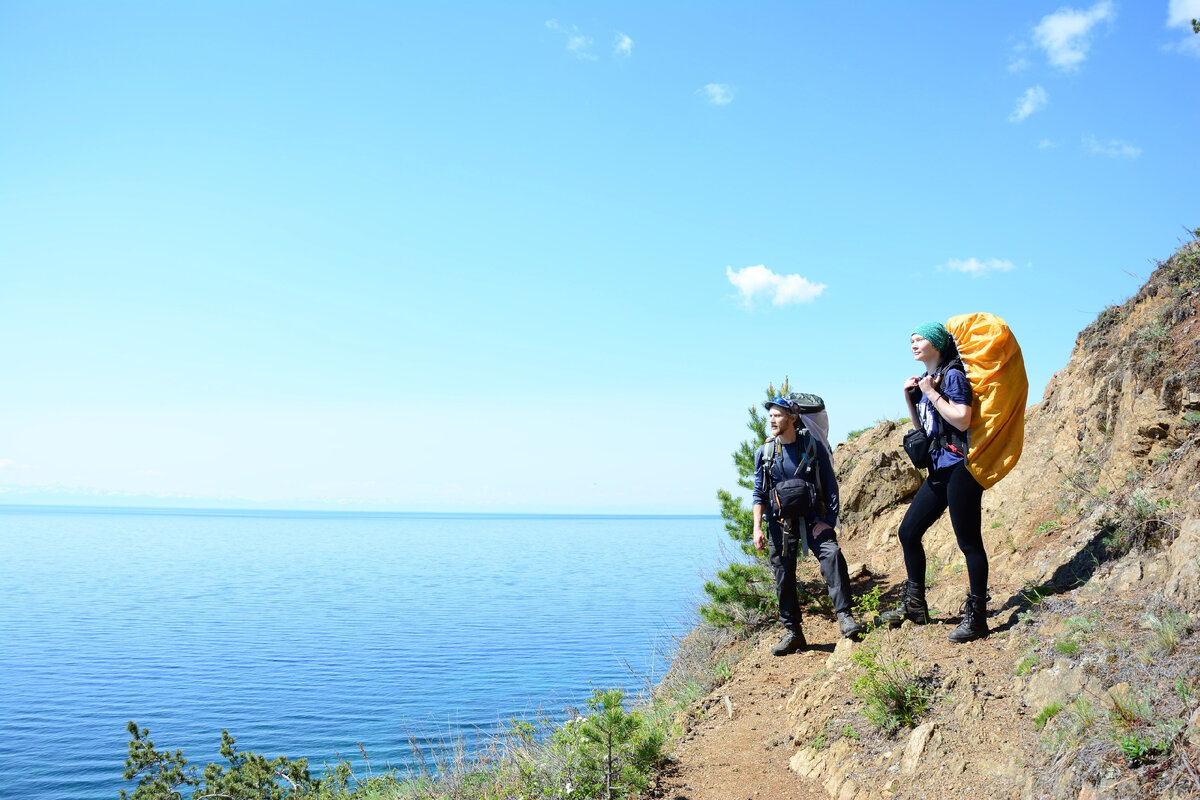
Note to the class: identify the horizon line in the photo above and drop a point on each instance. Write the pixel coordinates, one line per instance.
(79, 508)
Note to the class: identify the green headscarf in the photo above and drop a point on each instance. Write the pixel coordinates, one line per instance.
(935, 333)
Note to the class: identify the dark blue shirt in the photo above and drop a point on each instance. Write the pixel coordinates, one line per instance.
(957, 389)
(786, 463)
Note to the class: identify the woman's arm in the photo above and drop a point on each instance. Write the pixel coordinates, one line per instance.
(957, 414)
(909, 384)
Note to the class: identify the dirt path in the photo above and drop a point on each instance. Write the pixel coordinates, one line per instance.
(745, 756)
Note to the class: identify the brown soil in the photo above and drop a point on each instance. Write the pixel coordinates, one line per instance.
(745, 756)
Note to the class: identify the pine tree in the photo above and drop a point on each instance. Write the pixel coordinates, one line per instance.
(744, 593)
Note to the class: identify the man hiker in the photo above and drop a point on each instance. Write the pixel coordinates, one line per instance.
(796, 490)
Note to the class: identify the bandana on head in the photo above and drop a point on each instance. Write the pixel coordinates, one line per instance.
(935, 333)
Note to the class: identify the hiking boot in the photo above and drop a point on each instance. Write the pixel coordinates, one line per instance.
(790, 643)
(848, 625)
(974, 623)
(912, 606)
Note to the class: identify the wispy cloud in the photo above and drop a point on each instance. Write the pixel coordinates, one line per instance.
(577, 44)
(1113, 148)
(1018, 62)
(622, 46)
(1034, 98)
(782, 289)
(719, 94)
(1180, 14)
(976, 268)
(1046, 144)
(6, 462)
(1066, 34)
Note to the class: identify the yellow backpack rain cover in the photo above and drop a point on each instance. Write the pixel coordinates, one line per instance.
(1000, 388)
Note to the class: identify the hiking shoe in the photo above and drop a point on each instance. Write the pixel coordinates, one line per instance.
(848, 625)
(790, 643)
(974, 623)
(912, 606)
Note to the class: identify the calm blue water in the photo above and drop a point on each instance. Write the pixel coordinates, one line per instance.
(306, 633)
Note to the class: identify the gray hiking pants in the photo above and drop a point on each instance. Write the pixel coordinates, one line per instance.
(784, 546)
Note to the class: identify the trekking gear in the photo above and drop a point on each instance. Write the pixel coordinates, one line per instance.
(790, 643)
(974, 622)
(995, 367)
(911, 606)
(848, 625)
(916, 444)
(799, 496)
(813, 417)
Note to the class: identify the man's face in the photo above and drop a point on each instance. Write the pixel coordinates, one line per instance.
(779, 420)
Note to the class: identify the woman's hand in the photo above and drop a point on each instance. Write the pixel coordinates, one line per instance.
(909, 385)
(928, 386)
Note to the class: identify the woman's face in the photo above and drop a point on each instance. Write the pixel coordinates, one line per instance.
(922, 350)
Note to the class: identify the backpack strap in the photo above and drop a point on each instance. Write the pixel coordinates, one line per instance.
(810, 455)
(948, 436)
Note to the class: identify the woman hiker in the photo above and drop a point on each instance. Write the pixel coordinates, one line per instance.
(939, 403)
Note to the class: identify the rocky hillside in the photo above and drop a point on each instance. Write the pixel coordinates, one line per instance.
(1089, 686)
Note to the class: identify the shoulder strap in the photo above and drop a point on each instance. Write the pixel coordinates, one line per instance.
(810, 452)
(770, 450)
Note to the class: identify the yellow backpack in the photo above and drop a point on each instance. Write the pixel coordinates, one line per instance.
(996, 370)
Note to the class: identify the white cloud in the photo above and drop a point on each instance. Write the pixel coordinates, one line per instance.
(1180, 14)
(1113, 148)
(977, 268)
(783, 289)
(719, 94)
(622, 46)
(577, 43)
(6, 462)
(1066, 34)
(1046, 144)
(1034, 99)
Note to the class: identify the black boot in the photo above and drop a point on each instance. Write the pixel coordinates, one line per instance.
(912, 606)
(790, 643)
(974, 623)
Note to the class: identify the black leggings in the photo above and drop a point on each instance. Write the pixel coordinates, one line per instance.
(956, 488)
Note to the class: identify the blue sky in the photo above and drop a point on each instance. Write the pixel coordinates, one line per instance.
(479, 257)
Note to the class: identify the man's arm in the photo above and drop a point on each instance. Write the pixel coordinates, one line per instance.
(759, 499)
(760, 539)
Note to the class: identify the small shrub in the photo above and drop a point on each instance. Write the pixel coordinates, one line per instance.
(1167, 631)
(1026, 664)
(893, 695)
(1046, 714)
(1048, 526)
(1068, 647)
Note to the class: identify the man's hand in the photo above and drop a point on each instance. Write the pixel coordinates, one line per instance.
(760, 541)
(819, 527)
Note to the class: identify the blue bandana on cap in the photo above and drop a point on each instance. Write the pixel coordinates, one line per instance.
(935, 333)
(782, 402)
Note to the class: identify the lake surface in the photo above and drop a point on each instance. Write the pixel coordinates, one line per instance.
(306, 633)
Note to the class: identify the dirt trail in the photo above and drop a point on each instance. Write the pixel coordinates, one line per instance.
(745, 757)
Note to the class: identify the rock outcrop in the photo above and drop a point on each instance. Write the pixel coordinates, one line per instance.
(1090, 683)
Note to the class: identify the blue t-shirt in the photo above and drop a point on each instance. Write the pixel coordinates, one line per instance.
(957, 389)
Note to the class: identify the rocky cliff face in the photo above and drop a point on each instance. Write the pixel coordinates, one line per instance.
(1090, 683)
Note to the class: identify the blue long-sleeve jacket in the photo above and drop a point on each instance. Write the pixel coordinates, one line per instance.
(786, 463)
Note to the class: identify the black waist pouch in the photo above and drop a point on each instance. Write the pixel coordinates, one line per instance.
(794, 498)
(916, 444)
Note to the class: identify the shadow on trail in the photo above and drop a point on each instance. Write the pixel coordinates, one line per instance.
(1071, 575)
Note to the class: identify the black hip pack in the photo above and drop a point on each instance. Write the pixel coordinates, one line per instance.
(794, 497)
(800, 495)
(917, 445)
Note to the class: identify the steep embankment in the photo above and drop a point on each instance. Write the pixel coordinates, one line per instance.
(1090, 683)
